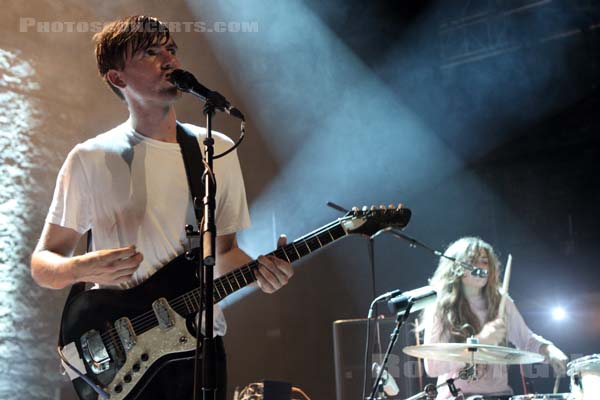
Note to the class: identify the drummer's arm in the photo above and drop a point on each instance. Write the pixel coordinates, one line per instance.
(555, 357)
(519, 334)
(522, 337)
(434, 368)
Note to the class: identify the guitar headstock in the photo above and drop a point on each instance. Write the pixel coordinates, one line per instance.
(368, 221)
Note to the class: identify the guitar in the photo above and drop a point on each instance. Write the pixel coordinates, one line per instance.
(123, 337)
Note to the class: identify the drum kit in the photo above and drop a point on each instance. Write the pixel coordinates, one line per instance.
(584, 372)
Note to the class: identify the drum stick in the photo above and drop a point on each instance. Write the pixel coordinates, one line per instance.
(505, 283)
(556, 384)
(419, 362)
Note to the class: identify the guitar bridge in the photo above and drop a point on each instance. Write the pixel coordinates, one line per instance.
(94, 352)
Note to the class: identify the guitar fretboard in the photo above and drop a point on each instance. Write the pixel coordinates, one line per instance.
(363, 222)
(243, 276)
(189, 303)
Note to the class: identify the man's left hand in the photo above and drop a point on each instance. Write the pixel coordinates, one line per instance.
(273, 273)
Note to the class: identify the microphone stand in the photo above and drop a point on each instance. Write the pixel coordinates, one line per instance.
(414, 243)
(206, 375)
(393, 338)
(213, 101)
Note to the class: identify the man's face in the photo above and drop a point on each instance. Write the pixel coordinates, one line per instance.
(146, 71)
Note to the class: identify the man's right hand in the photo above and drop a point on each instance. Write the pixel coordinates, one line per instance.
(108, 267)
(493, 332)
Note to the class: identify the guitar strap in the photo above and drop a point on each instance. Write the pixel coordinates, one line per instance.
(194, 168)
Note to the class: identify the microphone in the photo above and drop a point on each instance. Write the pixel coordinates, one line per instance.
(479, 272)
(475, 271)
(382, 297)
(186, 82)
(419, 298)
(389, 383)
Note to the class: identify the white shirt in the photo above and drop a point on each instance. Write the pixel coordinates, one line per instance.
(132, 190)
(494, 380)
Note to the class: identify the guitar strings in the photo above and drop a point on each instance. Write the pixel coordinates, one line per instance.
(147, 320)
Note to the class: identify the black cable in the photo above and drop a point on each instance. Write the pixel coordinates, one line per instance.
(236, 144)
(366, 365)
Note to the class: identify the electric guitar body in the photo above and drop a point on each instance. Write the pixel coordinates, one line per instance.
(121, 338)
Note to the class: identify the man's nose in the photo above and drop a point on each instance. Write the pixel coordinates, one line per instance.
(170, 61)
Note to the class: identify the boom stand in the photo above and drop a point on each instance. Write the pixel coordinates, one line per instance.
(206, 273)
(393, 338)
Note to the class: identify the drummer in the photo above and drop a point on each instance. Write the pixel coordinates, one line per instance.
(468, 305)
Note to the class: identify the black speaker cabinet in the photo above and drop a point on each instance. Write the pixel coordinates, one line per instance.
(349, 348)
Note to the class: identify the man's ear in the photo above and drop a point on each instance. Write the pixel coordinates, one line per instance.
(114, 77)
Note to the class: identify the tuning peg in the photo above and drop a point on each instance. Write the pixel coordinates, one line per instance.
(391, 207)
(400, 206)
(381, 207)
(373, 207)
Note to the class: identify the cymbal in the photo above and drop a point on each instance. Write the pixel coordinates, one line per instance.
(479, 353)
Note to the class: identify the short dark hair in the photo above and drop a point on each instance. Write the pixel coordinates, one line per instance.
(125, 37)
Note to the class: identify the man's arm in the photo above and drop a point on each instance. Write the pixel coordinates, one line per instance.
(272, 274)
(54, 266)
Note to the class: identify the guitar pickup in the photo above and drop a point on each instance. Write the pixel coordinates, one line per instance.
(94, 352)
(126, 333)
(162, 311)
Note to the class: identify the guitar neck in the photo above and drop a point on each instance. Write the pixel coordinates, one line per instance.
(243, 276)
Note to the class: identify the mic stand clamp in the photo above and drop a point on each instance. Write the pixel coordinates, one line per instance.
(191, 234)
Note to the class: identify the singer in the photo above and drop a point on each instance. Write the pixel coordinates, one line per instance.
(468, 305)
(129, 187)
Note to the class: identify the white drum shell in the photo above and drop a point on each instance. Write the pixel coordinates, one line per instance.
(585, 377)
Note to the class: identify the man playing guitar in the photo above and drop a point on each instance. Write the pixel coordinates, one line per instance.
(129, 186)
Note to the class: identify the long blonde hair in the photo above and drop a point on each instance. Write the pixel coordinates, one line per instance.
(452, 308)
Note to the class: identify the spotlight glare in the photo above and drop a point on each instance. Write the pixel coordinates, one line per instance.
(559, 313)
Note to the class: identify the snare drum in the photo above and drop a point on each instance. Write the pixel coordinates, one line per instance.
(585, 377)
(558, 396)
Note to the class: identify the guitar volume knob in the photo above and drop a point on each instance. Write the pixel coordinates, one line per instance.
(127, 378)
(145, 357)
(118, 388)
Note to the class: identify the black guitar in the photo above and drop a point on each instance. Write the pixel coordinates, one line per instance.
(123, 337)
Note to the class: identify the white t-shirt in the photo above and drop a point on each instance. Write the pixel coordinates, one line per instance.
(133, 190)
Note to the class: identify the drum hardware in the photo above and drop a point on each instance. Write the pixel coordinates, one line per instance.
(470, 352)
(430, 391)
(275, 390)
(475, 353)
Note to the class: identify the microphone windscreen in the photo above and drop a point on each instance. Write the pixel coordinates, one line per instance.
(183, 80)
